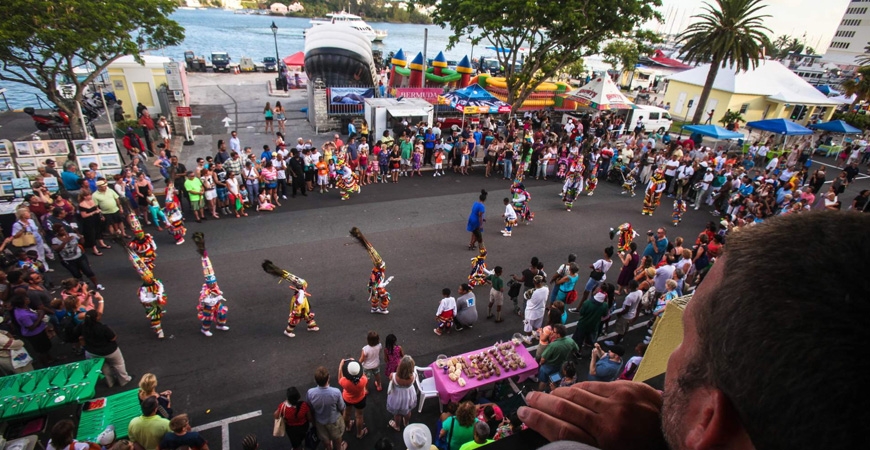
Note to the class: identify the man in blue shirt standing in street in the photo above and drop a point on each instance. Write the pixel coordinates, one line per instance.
(428, 146)
(658, 244)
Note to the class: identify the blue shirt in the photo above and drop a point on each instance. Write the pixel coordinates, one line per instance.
(70, 180)
(351, 130)
(605, 370)
(478, 211)
(430, 141)
(266, 155)
(326, 403)
(656, 252)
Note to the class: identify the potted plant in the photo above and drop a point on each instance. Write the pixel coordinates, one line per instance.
(732, 120)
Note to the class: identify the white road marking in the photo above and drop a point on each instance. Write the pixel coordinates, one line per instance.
(225, 426)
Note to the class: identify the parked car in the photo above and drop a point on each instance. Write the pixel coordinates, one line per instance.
(270, 64)
(220, 61)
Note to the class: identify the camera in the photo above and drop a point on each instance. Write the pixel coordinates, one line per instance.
(649, 233)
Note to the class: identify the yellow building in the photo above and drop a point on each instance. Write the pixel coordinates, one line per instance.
(134, 83)
(770, 91)
(668, 334)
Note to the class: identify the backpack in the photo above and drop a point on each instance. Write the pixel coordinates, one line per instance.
(68, 329)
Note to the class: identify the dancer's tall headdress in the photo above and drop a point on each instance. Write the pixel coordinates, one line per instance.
(373, 254)
(140, 266)
(207, 269)
(136, 226)
(282, 274)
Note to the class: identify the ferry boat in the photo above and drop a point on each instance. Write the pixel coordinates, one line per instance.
(354, 21)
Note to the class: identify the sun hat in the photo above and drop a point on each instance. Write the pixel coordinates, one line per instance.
(417, 437)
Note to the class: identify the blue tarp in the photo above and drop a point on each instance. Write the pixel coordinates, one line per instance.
(827, 90)
(779, 126)
(836, 126)
(714, 131)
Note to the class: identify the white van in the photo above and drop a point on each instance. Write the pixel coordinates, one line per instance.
(654, 118)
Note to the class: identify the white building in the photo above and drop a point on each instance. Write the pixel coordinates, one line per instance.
(295, 7)
(851, 36)
(278, 8)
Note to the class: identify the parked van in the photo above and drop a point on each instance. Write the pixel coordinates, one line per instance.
(653, 117)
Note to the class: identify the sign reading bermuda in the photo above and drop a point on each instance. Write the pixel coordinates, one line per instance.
(428, 94)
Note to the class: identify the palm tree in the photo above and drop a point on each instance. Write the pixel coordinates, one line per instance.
(858, 85)
(864, 59)
(731, 34)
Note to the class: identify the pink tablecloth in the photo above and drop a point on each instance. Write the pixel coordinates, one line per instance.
(451, 391)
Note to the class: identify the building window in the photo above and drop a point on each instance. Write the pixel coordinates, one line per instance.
(840, 45)
(845, 34)
(856, 11)
(743, 108)
(851, 22)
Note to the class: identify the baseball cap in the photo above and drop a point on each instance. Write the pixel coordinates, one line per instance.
(618, 349)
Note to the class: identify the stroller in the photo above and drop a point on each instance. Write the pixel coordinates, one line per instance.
(617, 173)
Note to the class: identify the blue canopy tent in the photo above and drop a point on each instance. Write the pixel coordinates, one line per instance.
(780, 126)
(827, 90)
(714, 131)
(836, 126)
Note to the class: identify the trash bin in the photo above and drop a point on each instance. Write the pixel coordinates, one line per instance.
(280, 83)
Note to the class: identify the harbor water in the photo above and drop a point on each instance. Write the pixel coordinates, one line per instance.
(249, 35)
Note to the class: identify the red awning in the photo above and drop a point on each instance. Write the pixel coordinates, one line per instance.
(669, 62)
(296, 59)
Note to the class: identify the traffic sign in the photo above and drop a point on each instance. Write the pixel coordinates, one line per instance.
(183, 111)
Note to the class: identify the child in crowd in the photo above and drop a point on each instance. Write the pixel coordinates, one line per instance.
(446, 312)
(510, 217)
(371, 359)
(246, 201)
(322, 174)
(157, 215)
(362, 167)
(330, 164)
(496, 294)
(384, 164)
(264, 204)
(417, 160)
(439, 161)
(392, 355)
(679, 209)
(372, 169)
(509, 426)
(568, 375)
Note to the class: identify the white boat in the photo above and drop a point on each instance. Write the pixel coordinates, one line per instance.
(353, 21)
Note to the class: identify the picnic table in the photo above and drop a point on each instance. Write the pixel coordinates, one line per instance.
(450, 391)
(117, 410)
(30, 393)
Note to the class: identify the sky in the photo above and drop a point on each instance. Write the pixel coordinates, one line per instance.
(817, 18)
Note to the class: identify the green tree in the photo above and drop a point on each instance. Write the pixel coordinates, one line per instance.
(43, 40)
(864, 60)
(621, 54)
(858, 85)
(732, 34)
(555, 33)
(574, 69)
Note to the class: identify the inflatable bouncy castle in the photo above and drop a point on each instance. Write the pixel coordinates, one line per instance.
(545, 95)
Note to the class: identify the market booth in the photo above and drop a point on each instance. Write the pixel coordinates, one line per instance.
(384, 113)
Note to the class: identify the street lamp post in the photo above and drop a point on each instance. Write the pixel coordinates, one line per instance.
(275, 35)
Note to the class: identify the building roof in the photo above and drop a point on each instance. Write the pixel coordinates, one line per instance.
(770, 79)
(149, 60)
(660, 58)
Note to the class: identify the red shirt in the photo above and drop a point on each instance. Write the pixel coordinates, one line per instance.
(353, 393)
(292, 418)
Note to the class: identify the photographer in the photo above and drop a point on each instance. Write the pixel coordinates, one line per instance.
(657, 245)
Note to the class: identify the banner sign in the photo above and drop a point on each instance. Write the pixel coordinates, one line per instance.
(350, 95)
(428, 94)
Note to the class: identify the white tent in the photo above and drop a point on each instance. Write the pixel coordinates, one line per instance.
(602, 94)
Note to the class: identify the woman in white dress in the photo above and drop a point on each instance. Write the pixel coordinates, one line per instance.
(401, 394)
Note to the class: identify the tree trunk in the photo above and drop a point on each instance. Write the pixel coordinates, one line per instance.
(700, 108)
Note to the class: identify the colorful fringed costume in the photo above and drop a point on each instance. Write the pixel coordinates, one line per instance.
(211, 307)
(654, 189)
(175, 220)
(299, 309)
(379, 298)
(679, 209)
(143, 243)
(629, 183)
(520, 202)
(626, 236)
(573, 186)
(151, 293)
(348, 181)
(592, 182)
(479, 272)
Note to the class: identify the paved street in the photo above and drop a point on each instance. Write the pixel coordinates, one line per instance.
(418, 226)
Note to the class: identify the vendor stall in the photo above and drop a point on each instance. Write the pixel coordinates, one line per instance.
(117, 410)
(32, 393)
(457, 376)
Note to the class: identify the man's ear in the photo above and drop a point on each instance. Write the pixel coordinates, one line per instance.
(716, 423)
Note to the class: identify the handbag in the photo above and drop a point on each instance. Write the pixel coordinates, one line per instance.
(571, 297)
(312, 440)
(279, 428)
(26, 239)
(20, 358)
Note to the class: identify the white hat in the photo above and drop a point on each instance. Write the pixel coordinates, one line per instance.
(353, 368)
(417, 437)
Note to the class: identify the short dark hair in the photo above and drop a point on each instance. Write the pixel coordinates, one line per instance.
(321, 376)
(739, 357)
(149, 406)
(445, 292)
(560, 329)
(373, 339)
(63, 433)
